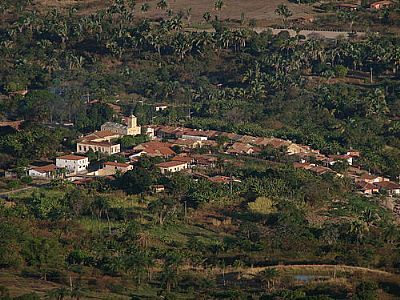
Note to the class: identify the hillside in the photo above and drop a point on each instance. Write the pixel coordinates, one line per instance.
(147, 158)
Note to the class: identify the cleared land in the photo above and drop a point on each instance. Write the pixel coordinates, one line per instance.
(261, 10)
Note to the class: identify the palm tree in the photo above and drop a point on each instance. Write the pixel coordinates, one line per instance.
(283, 11)
(207, 16)
(391, 233)
(145, 7)
(359, 228)
(268, 277)
(162, 4)
(58, 294)
(348, 16)
(218, 5)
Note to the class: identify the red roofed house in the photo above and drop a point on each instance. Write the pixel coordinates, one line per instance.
(391, 187)
(305, 166)
(72, 163)
(184, 159)
(332, 159)
(348, 6)
(12, 124)
(367, 188)
(205, 161)
(220, 179)
(117, 166)
(381, 5)
(371, 178)
(188, 143)
(172, 166)
(153, 149)
(49, 171)
(319, 170)
(99, 141)
(240, 148)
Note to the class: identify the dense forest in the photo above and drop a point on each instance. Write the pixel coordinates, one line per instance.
(115, 239)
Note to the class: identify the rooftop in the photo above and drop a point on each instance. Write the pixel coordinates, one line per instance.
(116, 164)
(72, 157)
(171, 164)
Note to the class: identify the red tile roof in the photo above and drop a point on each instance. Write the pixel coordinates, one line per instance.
(116, 164)
(170, 164)
(184, 159)
(13, 124)
(220, 179)
(99, 135)
(388, 185)
(364, 186)
(45, 169)
(72, 157)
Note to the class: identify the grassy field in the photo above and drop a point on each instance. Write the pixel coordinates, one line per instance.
(261, 10)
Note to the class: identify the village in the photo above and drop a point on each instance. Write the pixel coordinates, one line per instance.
(195, 153)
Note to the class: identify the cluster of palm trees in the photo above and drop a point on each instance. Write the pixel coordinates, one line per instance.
(117, 31)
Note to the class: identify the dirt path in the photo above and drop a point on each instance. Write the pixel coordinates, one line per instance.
(337, 268)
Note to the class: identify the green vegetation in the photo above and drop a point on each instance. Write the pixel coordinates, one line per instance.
(116, 237)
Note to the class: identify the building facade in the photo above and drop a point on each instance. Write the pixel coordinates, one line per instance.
(130, 129)
(74, 164)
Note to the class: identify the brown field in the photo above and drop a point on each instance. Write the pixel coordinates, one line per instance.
(262, 10)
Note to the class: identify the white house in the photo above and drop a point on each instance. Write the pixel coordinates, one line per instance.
(45, 172)
(194, 137)
(172, 166)
(161, 107)
(74, 164)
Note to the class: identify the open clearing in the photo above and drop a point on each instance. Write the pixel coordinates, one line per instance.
(262, 10)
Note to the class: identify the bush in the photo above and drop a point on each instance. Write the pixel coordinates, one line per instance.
(262, 205)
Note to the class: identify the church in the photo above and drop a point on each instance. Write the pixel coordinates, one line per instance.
(130, 129)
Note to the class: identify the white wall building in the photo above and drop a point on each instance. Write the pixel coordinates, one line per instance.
(74, 164)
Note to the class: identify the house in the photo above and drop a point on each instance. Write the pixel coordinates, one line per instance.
(319, 170)
(14, 125)
(353, 153)
(240, 148)
(160, 107)
(209, 143)
(102, 147)
(185, 159)
(232, 136)
(74, 164)
(172, 166)
(392, 188)
(366, 177)
(157, 188)
(220, 179)
(167, 132)
(117, 166)
(190, 143)
(248, 139)
(367, 188)
(293, 148)
(333, 159)
(149, 131)
(153, 149)
(381, 5)
(347, 6)
(205, 161)
(99, 141)
(130, 129)
(44, 172)
(275, 143)
(304, 166)
(304, 20)
(101, 136)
